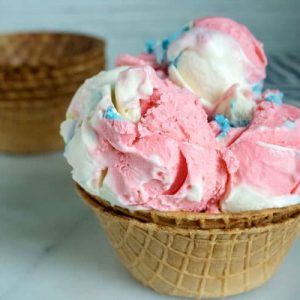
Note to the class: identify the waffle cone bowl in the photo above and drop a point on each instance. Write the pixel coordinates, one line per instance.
(199, 255)
(39, 73)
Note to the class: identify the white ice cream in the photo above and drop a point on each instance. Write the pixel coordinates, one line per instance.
(245, 198)
(208, 63)
(111, 94)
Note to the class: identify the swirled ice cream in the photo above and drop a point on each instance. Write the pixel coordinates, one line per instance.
(190, 131)
(213, 55)
(264, 160)
(130, 141)
(216, 58)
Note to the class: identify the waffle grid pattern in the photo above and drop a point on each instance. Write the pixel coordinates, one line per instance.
(198, 263)
(201, 220)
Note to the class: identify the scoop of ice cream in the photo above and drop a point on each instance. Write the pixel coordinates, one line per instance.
(264, 160)
(252, 48)
(143, 141)
(163, 156)
(215, 54)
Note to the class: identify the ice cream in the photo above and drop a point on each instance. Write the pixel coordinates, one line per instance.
(190, 132)
(212, 57)
(216, 58)
(131, 142)
(264, 161)
(170, 149)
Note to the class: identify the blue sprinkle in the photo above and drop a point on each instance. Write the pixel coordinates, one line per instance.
(150, 46)
(159, 48)
(257, 88)
(274, 97)
(165, 44)
(223, 123)
(170, 39)
(175, 61)
(174, 36)
(186, 28)
(111, 114)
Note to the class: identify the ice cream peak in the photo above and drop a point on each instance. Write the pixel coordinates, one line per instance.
(132, 86)
(214, 55)
(120, 91)
(250, 46)
(164, 159)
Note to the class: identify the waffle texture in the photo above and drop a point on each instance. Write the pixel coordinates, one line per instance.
(197, 262)
(39, 73)
(193, 220)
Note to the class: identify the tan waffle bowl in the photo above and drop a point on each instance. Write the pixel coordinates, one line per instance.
(39, 73)
(199, 255)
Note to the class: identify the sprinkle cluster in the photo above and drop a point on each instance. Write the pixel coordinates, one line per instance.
(160, 48)
(224, 125)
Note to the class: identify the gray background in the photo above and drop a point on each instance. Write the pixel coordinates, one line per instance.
(126, 24)
(51, 246)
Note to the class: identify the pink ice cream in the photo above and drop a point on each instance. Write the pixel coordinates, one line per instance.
(191, 133)
(143, 59)
(213, 56)
(165, 160)
(210, 57)
(251, 47)
(264, 160)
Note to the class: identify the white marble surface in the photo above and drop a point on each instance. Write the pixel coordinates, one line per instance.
(52, 248)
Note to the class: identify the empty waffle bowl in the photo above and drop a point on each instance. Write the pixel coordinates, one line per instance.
(199, 255)
(39, 73)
